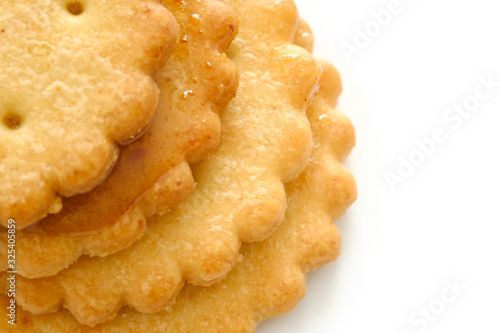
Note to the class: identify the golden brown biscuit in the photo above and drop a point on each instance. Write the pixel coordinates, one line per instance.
(240, 196)
(152, 174)
(76, 79)
(270, 279)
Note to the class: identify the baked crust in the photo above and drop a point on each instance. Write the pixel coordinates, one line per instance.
(73, 84)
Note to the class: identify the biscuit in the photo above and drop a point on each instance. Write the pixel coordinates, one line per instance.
(240, 196)
(152, 174)
(76, 78)
(270, 279)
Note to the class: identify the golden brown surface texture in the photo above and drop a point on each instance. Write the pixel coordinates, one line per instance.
(74, 82)
(240, 194)
(270, 279)
(152, 174)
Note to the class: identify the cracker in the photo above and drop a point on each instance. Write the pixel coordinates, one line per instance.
(153, 173)
(76, 79)
(240, 196)
(270, 279)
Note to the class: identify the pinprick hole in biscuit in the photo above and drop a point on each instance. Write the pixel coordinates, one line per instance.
(12, 120)
(74, 8)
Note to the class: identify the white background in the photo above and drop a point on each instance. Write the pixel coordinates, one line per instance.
(442, 223)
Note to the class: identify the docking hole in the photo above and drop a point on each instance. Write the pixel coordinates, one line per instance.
(12, 120)
(74, 8)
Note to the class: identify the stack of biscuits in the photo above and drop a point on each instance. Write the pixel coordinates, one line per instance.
(165, 166)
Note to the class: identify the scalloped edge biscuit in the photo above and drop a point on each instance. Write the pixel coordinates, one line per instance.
(184, 130)
(270, 279)
(240, 196)
(75, 83)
